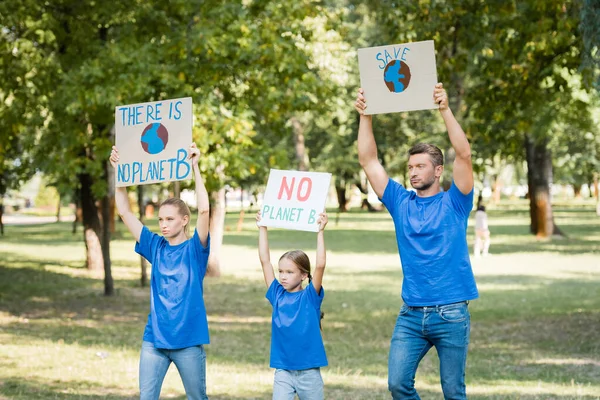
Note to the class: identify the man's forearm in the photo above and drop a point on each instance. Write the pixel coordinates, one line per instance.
(367, 148)
(457, 136)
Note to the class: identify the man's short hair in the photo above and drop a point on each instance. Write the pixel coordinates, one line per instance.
(437, 158)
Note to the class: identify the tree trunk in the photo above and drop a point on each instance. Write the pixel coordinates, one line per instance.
(108, 227)
(217, 224)
(142, 211)
(577, 190)
(58, 208)
(340, 190)
(301, 157)
(1, 218)
(539, 179)
(596, 194)
(91, 225)
(78, 212)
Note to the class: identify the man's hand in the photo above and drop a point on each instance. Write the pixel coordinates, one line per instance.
(440, 96)
(361, 103)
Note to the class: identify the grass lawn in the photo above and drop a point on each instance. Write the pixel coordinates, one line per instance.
(535, 329)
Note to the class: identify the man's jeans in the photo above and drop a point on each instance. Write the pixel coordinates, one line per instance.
(307, 383)
(446, 327)
(190, 362)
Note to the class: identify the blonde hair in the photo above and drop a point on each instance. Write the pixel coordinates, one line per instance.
(183, 210)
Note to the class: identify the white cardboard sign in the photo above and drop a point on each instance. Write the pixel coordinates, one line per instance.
(153, 140)
(399, 77)
(294, 199)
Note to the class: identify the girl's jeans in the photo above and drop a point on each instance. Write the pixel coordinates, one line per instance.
(307, 383)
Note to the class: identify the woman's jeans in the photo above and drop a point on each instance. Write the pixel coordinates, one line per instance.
(190, 362)
(446, 327)
(307, 383)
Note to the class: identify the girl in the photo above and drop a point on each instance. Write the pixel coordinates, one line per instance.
(297, 350)
(177, 327)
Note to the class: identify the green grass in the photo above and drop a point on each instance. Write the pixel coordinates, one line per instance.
(534, 329)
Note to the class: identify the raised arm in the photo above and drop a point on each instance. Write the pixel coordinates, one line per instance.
(202, 225)
(317, 279)
(463, 168)
(367, 148)
(132, 222)
(264, 253)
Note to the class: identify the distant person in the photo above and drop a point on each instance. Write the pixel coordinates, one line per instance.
(431, 232)
(297, 350)
(177, 327)
(482, 232)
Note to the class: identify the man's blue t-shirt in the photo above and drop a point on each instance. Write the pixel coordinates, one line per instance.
(177, 316)
(432, 240)
(296, 341)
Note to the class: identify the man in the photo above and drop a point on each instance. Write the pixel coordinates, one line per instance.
(431, 234)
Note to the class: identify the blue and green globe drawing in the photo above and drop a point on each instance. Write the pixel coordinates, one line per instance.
(154, 138)
(396, 76)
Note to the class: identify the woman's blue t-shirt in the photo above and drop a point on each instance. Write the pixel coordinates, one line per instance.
(296, 342)
(177, 316)
(432, 240)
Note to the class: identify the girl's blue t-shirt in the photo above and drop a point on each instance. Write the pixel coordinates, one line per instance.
(177, 316)
(296, 342)
(432, 240)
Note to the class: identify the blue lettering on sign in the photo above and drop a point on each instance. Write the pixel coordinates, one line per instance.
(174, 111)
(385, 57)
(154, 171)
(130, 116)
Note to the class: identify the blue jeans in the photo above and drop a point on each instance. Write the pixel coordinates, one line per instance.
(446, 327)
(190, 362)
(307, 383)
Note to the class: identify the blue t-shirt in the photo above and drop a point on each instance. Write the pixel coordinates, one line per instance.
(296, 341)
(432, 240)
(177, 316)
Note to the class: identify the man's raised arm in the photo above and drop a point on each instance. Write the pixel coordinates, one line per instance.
(367, 148)
(462, 173)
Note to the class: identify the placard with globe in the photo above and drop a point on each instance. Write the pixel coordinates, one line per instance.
(153, 140)
(399, 77)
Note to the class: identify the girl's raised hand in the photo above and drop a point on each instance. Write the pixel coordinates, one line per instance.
(322, 221)
(258, 218)
(114, 157)
(194, 154)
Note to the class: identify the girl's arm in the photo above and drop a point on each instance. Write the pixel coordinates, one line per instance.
(202, 225)
(122, 202)
(264, 253)
(317, 279)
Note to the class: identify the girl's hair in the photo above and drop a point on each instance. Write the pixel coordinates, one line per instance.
(300, 258)
(182, 208)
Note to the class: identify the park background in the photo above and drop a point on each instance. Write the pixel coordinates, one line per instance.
(273, 85)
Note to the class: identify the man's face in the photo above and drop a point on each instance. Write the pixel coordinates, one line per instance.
(421, 171)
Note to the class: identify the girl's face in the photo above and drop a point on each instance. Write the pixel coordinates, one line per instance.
(290, 275)
(171, 222)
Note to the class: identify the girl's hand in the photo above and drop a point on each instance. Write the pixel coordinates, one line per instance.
(322, 220)
(258, 219)
(194, 154)
(114, 157)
